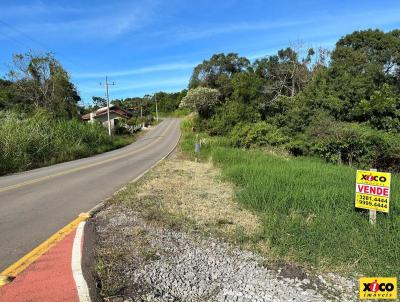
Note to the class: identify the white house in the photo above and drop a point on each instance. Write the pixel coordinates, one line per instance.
(116, 115)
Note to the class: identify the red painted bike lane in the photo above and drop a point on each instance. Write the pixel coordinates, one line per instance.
(49, 278)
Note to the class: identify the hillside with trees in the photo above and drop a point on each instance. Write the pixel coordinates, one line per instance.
(341, 105)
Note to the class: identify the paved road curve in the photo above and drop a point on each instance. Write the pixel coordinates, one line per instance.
(37, 203)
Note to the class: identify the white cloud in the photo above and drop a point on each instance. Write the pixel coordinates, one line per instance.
(100, 22)
(189, 34)
(141, 70)
(373, 18)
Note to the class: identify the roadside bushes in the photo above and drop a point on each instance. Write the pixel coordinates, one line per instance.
(355, 144)
(259, 134)
(339, 142)
(352, 144)
(28, 142)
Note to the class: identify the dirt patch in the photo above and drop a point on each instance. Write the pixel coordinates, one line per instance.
(194, 191)
(173, 236)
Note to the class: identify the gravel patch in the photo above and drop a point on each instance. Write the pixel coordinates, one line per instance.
(170, 265)
(175, 236)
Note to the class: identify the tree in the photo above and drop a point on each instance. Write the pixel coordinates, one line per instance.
(362, 63)
(168, 102)
(39, 81)
(284, 73)
(218, 71)
(201, 99)
(6, 97)
(99, 102)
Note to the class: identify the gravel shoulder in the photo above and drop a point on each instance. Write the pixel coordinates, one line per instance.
(179, 235)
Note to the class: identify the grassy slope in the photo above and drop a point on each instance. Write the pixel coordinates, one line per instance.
(307, 209)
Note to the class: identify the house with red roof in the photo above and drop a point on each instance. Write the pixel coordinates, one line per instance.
(117, 116)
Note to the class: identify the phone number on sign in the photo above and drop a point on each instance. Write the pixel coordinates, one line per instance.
(371, 198)
(373, 204)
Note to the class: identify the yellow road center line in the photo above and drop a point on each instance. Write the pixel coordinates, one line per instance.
(20, 265)
(5, 280)
(40, 179)
(7, 275)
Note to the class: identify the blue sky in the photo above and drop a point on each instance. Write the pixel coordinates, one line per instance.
(147, 46)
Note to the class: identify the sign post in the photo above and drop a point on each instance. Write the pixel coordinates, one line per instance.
(373, 192)
(372, 213)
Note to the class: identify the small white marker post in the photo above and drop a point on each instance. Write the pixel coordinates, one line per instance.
(197, 148)
(372, 213)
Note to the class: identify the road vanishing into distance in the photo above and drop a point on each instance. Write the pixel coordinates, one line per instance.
(37, 203)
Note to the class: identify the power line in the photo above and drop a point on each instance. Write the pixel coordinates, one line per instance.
(23, 34)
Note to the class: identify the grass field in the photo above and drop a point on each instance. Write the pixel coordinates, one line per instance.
(307, 209)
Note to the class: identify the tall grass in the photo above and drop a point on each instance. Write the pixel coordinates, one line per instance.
(39, 140)
(307, 210)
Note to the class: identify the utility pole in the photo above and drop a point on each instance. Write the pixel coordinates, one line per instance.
(141, 114)
(108, 104)
(155, 97)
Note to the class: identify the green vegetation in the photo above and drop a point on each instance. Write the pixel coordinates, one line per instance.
(180, 112)
(39, 117)
(167, 103)
(38, 140)
(308, 214)
(306, 207)
(342, 106)
(39, 82)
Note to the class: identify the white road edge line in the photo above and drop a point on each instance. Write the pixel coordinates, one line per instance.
(76, 265)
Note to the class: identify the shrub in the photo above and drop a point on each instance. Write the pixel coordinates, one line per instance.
(384, 150)
(355, 144)
(259, 134)
(38, 140)
(133, 121)
(339, 142)
(298, 147)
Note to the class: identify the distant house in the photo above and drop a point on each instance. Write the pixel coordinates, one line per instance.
(117, 114)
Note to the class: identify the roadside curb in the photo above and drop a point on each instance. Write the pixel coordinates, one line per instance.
(19, 266)
(11, 272)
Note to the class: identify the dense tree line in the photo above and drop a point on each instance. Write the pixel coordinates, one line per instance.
(342, 105)
(166, 102)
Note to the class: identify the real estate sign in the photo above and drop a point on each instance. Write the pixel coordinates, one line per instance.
(373, 190)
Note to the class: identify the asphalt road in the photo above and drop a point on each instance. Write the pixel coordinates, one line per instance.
(37, 203)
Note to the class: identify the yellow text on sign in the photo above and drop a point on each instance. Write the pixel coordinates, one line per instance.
(378, 288)
(373, 190)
